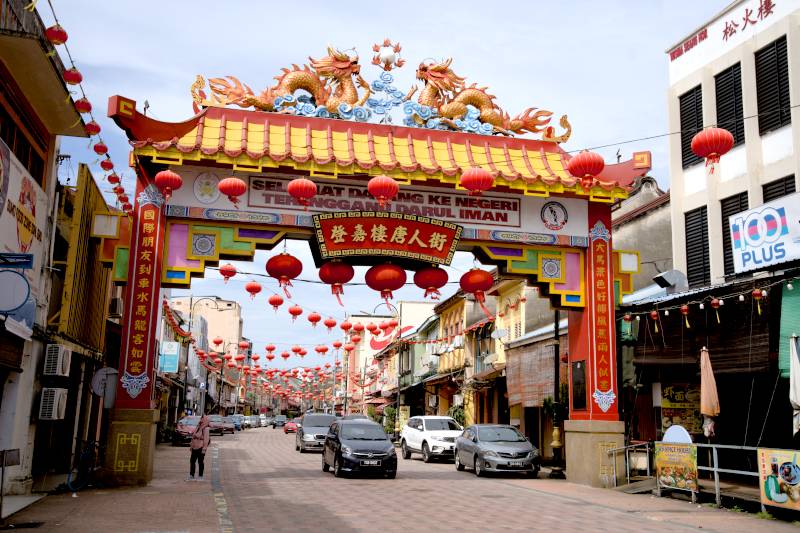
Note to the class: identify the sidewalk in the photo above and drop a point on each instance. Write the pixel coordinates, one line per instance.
(168, 503)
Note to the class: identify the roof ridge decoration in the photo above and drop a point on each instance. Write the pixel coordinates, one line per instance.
(332, 87)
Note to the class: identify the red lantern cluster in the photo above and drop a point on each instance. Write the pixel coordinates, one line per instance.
(336, 274)
(712, 144)
(168, 181)
(586, 166)
(284, 267)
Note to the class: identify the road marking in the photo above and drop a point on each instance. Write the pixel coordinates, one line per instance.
(225, 524)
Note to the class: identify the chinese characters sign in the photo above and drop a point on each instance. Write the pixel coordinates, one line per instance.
(376, 233)
(142, 298)
(680, 405)
(779, 474)
(602, 315)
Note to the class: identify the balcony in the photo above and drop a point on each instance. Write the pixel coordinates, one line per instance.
(24, 51)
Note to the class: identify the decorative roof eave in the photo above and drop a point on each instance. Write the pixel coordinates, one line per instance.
(236, 138)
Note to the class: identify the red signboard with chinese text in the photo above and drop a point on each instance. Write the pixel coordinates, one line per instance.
(141, 305)
(386, 234)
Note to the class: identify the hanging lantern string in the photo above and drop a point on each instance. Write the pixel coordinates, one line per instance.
(706, 299)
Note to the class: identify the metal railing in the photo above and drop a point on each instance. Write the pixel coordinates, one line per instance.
(627, 449)
(714, 467)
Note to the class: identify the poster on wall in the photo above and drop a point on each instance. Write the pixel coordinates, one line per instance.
(676, 466)
(680, 404)
(23, 215)
(779, 476)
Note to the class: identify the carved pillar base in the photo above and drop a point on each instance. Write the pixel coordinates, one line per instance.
(131, 447)
(587, 442)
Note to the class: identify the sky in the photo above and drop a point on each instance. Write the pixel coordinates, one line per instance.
(603, 63)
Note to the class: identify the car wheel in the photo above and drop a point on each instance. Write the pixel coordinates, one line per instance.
(325, 466)
(406, 453)
(476, 465)
(337, 467)
(426, 453)
(459, 464)
(391, 474)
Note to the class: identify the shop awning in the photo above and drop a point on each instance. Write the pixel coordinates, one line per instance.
(378, 401)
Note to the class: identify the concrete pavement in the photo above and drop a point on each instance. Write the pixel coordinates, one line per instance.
(258, 482)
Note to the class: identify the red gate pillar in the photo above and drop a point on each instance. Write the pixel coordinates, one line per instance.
(132, 436)
(594, 426)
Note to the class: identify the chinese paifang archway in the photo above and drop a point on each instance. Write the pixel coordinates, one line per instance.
(326, 123)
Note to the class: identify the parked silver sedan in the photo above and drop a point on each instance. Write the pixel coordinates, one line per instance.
(496, 448)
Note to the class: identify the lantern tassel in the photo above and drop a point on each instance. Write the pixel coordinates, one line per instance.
(758, 306)
(655, 323)
(433, 292)
(717, 312)
(480, 298)
(285, 283)
(337, 291)
(686, 320)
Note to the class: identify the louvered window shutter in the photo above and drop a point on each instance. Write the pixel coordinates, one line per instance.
(778, 188)
(691, 109)
(698, 269)
(730, 114)
(729, 207)
(772, 86)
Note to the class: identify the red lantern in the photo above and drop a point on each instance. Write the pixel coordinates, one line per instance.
(295, 311)
(285, 355)
(270, 348)
(302, 190)
(654, 316)
(91, 128)
(336, 344)
(119, 189)
(322, 349)
(227, 271)
(276, 300)
(232, 188)
(253, 287)
(346, 326)
(349, 347)
(303, 352)
(217, 341)
(255, 357)
(757, 294)
(477, 282)
(383, 189)
(385, 278)
(113, 178)
(314, 317)
(330, 324)
(372, 328)
(56, 34)
(355, 338)
(228, 356)
(168, 181)
(284, 267)
(100, 148)
(715, 305)
(239, 357)
(358, 327)
(627, 317)
(296, 349)
(711, 144)
(431, 279)
(123, 199)
(336, 274)
(72, 76)
(82, 105)
(393, 323)
(244, 345)
(217, 361)
(270, 356)
(685, 313)
(586, 166)
(477, 180)
(107, 165)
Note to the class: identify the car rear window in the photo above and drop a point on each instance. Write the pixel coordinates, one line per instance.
(318, 421)
(281, 418)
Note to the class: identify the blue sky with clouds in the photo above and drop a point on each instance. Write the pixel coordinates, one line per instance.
(600, 62)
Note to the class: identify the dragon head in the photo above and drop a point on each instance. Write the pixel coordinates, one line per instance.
(336, 64)
(440, 76)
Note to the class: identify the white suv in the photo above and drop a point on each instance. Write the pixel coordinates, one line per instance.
(432, 436)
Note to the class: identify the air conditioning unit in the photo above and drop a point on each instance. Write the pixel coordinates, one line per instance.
(53, 405)
(115, 308)
(57, 358)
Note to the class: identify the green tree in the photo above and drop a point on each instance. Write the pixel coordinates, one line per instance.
(389, 416)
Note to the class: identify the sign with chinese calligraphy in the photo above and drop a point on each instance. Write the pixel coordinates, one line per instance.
(142, 305)
(779, 476)
(766, 235)
(602, 316)
(494, 216)
(732, 28)
(680, 404)
(383, 234)
(676, 466)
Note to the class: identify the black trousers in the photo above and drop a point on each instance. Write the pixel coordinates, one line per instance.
(199, 457)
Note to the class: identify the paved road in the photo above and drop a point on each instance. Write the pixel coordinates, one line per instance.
(263, 484)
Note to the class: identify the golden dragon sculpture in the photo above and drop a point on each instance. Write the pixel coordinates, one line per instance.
(447, 92)
(331, 81)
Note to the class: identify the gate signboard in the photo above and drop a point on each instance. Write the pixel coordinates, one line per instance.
(381, 234)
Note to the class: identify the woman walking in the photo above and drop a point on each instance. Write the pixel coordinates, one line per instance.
(201, 438)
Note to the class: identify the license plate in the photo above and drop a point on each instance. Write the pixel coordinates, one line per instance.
(371, 462)
(515, 463)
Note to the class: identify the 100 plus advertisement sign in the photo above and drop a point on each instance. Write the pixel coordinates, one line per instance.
(766, 235)
(492, 216)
